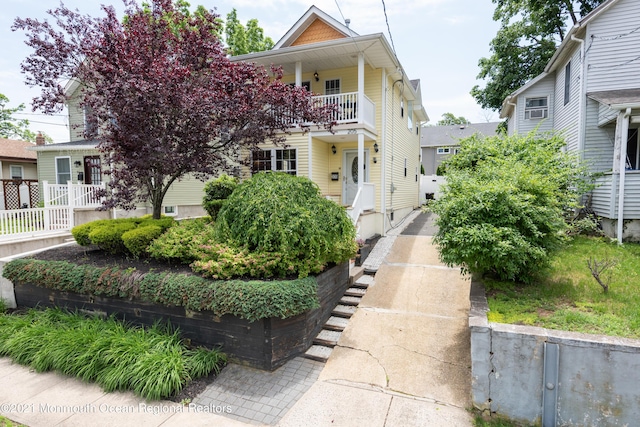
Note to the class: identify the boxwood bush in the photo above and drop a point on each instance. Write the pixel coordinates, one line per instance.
(216, 192)
(107, 234)
(287, 215)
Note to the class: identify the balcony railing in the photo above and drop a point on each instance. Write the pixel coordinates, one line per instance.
(347, 108)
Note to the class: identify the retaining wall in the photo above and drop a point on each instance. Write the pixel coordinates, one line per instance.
(548, 377)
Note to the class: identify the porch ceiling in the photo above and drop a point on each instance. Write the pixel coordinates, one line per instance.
(617, 98)
(342, 136)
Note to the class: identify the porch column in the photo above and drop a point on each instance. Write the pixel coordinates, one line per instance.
(360, 109)
(298, 73)
(360, 162)
(622, 126)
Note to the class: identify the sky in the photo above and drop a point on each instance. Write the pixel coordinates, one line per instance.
(436, 41)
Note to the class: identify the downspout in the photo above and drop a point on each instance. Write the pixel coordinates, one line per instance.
(582, 100)
(623, 164)
(383, 162)
(393, 119)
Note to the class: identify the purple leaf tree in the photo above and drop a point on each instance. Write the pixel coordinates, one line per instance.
(165, 98)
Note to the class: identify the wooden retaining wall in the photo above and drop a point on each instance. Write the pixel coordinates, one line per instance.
(265, 344)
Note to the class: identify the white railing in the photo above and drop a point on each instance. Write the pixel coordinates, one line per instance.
(365, 200)
(347, 107)
(18, 222)
(72, 195)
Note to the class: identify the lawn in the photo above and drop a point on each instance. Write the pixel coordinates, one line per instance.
(567, 296)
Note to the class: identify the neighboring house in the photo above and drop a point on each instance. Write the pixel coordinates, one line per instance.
(370, 164)
(18, 174)
(590, 91)
(439, 142)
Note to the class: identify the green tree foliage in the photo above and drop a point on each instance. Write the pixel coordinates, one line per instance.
(10, 127)
(449, 119)
(529, 34)
(241, 40)
(503, 207)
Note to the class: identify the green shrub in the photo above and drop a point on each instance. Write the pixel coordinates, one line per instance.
(251, 300)
(181, 242)
(502, 209)
(107, 233)
(108, 237)
(152, 362)
(285, 214)
(137, 240)
(216, 192)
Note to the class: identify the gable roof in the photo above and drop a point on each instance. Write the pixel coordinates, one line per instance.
(17, 150)
(438, 136)
(314, 26)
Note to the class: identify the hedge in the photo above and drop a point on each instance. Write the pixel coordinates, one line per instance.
(250, 300)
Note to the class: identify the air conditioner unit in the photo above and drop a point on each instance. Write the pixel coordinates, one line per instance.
(537, 113)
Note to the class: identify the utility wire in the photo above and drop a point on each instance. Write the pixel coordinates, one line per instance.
(616, 37)
(386, 18)
(611, 67)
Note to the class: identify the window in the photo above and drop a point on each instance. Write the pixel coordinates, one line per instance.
(170, 210)
(402, 107)
(16, 171)
(63, 170)
(405, 166)
(281, 160)
(567, 83)
(536, 108)
(332, 87)
(410, 114)
(90, 121)
(444, 150)
(306, 85)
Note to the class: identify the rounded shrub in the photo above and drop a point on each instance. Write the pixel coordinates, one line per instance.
(216, 192)
(108, 237)
(137, 240)
(285, 214)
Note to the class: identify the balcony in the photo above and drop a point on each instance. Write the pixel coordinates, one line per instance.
(347, 108)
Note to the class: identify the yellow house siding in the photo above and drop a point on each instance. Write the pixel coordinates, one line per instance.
(29, 170)
(47, 163)
(402, 143)
(187, 191)
(318, 31)
(322, 168)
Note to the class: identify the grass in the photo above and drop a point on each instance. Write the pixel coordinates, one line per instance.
(494, 421)
(567, 297)
(6, 422)
(152, 362)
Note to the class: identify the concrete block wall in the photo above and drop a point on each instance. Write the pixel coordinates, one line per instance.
(598, 380)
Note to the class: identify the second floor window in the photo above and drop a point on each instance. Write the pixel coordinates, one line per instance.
(567, 83)
(444, 150)
(16, 171)
(536, 108)
(332, 87)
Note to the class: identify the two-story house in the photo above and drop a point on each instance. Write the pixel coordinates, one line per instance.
(590, 91)
(370, 163)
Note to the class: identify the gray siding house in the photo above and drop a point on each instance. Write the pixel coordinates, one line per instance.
(590, 92)
(439, 142)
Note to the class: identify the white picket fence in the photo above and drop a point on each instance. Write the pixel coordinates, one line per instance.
(60, 200)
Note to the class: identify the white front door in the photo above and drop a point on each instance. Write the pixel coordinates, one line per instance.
(350, 175)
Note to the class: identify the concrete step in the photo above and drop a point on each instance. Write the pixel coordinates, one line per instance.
(355, 292)
(364, 281)
(345, 311)
(318, 352)
(355, 272)
(327, 338)
(336, 323)
(354, 301)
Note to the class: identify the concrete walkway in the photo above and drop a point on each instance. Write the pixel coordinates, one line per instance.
(403, 360)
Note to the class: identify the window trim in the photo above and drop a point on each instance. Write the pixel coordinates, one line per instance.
(443, 150)
(544, 109)
(410, 115)
(58, 174)
(567, 83)
(21, 171)
(170, 210)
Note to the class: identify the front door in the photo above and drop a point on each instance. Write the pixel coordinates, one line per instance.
(350, 175)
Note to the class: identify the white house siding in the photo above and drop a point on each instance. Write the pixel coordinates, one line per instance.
(544, 87)
(599, 140)
(632, 195)
(605, 114)
(601, 196)
(566, 117)
(612, 42)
